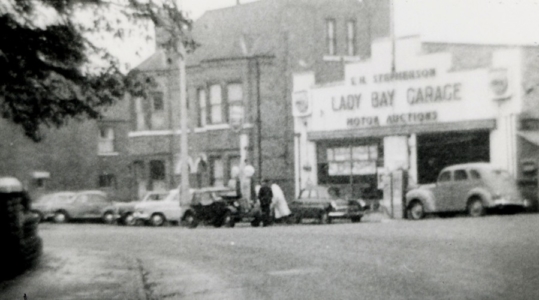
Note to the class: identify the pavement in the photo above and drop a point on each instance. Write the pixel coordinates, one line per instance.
(92, 274)
(78, 274)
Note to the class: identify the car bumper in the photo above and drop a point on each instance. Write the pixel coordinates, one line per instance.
(345, 214)
(141, 215)
(503, 202)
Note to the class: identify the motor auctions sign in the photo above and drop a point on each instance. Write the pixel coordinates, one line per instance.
(404, 98)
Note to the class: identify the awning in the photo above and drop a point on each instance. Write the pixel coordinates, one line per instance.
(530, 136)
(403, 130)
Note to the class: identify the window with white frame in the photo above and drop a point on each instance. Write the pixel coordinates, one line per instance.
(106, 140)
(217, 172)
(216, 102)
(235, 101)
(351, 38)
(233, 161)
(331, 38)
(202, 113)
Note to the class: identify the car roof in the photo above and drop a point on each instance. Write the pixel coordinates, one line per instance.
(10, 184)
(476, 165)
(92, 192)
(213, 189)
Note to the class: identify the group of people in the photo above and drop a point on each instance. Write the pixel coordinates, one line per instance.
(272, 199)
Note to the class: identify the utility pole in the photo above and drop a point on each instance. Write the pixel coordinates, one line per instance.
(184, 154)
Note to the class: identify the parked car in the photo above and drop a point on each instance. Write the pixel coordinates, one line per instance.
(43, 206)
(214, 206)
(473, 187)
(62, 207)
(126, 210)
(157, 211)
(325, 203)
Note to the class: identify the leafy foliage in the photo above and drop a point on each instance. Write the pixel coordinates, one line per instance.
(47, 57)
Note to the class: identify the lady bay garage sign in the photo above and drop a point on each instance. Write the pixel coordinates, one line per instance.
(403, 98)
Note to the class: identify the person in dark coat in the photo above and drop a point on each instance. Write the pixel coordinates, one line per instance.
(265, 195)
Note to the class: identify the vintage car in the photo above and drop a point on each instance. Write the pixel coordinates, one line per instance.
(127, 209)
(203, 206)
(472, 187)
(325, 204)
(62, 207)
(42, 207)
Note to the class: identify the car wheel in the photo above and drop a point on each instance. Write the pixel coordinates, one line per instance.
(108, 218)
(157, 220)
(39, 216)
(356, 219)
(255, 222)
(416, 211)
(60, 217)
(228, 220)
(129, 220)
(475, 207)
(190, 220)
(324, 218)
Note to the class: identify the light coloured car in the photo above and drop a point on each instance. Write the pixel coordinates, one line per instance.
(127, 209)
(62, 207)
(158, 210)
(473, 187)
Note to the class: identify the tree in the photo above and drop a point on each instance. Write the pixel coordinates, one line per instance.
(52, 68)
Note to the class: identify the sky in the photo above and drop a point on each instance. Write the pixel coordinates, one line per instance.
(461, 21)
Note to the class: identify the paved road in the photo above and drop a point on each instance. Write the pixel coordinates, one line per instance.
(495, 257)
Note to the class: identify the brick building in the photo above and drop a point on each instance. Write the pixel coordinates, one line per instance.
(245, 63)
(81, 155)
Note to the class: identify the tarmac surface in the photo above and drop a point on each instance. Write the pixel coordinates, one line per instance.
(494, 257)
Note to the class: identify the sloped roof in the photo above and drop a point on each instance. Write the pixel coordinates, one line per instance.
(156, 62)
(238, 31)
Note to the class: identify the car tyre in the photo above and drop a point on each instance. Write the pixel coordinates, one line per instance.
(255, 222)
(324, 218)
(228, 220)
(356, 219)
(60, 217)
(129, 220)
(416, 211)
(190, 220)
(157, 220)
(475, 207)
(108, 218)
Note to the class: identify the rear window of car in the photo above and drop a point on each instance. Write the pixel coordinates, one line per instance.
(474, 174)
(460, 175)
(445, 176)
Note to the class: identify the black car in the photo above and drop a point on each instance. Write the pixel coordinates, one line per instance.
(209, 206)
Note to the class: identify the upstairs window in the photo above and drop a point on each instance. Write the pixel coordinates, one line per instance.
(216, 99)
(157, 170)
(158, 102)
(351, 38)
(331, 38)
(106, 140)
(235, 101)
(202, 115)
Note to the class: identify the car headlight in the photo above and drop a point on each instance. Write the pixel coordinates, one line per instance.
(236, 204)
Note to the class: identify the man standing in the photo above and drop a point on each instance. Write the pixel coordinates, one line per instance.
(265, 195)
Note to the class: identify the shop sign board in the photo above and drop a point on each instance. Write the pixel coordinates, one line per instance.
(403, 98)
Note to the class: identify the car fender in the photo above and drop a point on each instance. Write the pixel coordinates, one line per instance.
(480, 192)
(425, 196)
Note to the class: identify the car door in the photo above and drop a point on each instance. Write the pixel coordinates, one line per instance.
(96, 205)
(298, 206)
(172, 208)
(443, 191)
(462, 184)
(79, 207)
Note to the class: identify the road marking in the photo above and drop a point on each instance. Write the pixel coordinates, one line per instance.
(295, 272)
